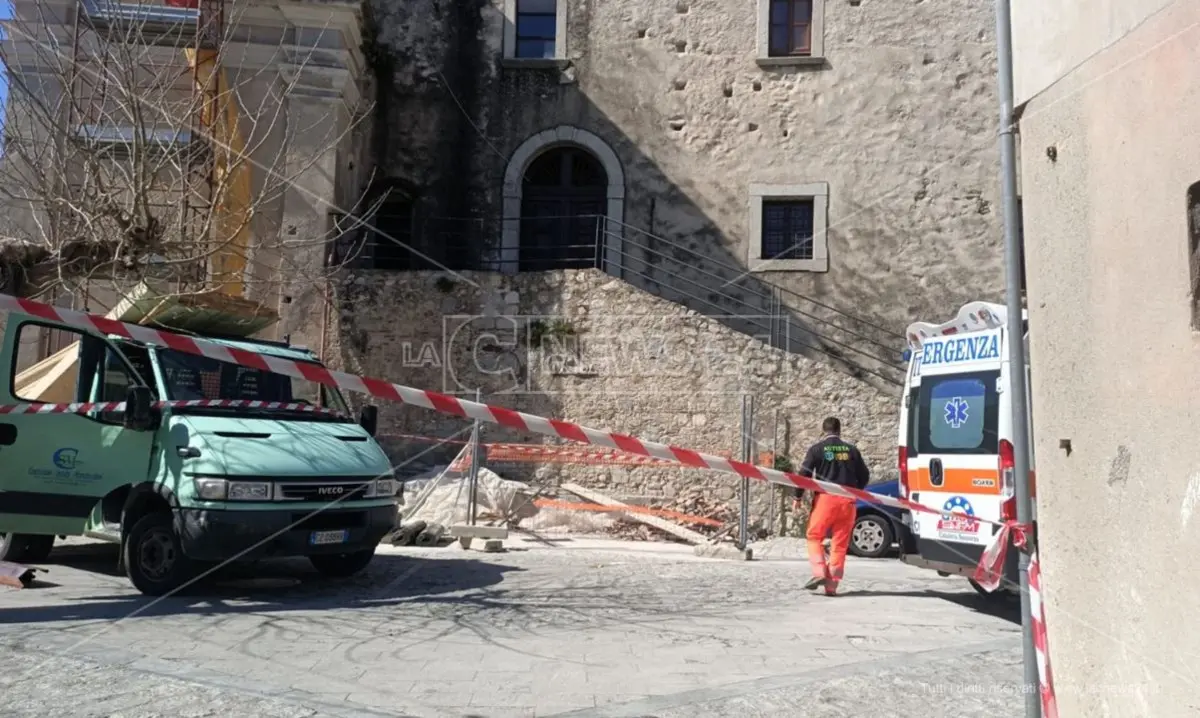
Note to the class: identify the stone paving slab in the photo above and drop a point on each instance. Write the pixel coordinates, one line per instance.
(582, 628)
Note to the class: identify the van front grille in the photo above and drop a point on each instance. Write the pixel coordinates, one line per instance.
(342, 491)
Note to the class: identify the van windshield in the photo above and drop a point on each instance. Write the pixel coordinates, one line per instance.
(958, 414)
(191, 377)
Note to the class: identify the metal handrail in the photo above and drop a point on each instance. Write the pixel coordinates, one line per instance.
(790, 339)
(741, 271)
(157, 15)
(770, 298)
(793, 343)
(743, 302)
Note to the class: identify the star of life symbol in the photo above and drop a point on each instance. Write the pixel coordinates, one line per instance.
(956, 412)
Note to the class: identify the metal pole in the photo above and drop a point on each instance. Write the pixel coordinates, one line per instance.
(774, 463)
(1016, 335)
(473, 475)
(599, 233)
(747, 456)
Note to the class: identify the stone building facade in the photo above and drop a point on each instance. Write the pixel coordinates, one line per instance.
(888, 132)
(799, 180)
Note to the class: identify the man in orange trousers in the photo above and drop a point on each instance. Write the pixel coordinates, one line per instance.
(837, 461)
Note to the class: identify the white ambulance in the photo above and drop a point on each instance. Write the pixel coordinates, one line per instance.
(956, 451)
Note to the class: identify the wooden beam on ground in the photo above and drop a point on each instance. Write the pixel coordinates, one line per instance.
(674, 529)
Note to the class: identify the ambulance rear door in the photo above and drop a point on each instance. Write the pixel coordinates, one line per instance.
(954, 442)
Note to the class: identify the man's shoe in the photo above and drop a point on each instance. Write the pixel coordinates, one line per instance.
(814, 583)
(831, 588)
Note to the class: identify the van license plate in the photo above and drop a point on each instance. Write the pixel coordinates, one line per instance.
(321, 538)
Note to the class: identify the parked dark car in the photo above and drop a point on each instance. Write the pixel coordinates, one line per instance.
(877, 527)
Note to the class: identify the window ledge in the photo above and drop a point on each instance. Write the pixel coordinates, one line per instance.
(536, 63)
(789, 265)
(790, 61)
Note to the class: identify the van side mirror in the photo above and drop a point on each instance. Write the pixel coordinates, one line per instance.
(368, 418)
(139, 408)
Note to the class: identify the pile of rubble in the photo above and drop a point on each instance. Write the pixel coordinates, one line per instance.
(692, 502)
(437, 499)
(697, 502)
(627, 529)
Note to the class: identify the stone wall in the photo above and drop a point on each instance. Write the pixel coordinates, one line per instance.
(582, 346)
(899, 121)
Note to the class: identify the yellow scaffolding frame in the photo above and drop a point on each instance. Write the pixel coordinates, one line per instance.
(232, 211)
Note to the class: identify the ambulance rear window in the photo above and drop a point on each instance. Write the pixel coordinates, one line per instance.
(958, 414)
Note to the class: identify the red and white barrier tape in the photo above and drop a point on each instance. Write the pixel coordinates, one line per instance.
(1038, 612)
(84, 407)
(988, 573)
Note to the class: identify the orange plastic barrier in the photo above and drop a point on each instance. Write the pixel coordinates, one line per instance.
(665, 513)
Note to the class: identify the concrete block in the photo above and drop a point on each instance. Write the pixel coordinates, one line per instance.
(484, 532)
(724, 551)
(493, 546)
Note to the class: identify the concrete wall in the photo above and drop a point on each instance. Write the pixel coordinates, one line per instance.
(1050, 39)
(1115, 352)
(898, 120)
(585, 347)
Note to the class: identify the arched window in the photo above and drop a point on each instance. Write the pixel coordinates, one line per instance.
(387, 237)
(564, 196)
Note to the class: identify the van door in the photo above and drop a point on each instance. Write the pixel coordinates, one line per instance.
(955, 467)
(59, 466)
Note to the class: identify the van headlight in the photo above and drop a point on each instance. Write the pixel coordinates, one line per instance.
(211, 489)
(382, 488)
(225, 490)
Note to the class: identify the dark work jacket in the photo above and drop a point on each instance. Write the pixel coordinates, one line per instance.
(837, 461)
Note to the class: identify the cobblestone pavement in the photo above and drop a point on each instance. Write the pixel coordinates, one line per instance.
(581, 628)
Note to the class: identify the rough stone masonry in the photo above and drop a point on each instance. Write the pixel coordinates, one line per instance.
(585, 347)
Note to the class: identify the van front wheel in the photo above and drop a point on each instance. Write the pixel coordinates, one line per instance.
(153, 556)
(341, 565)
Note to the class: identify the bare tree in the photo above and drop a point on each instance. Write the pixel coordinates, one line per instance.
(151, 141)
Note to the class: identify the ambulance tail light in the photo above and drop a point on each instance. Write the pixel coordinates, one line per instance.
(904, 472)
(1008, 486)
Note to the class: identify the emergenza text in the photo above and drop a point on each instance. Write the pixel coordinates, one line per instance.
(962, 349)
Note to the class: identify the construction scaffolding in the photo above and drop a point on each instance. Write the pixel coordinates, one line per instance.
(149, 93)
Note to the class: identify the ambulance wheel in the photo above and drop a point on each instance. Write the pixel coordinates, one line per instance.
(25, 548)
(153, 556)
(872, 536)
(999, 596)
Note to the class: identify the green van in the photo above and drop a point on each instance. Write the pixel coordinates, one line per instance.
(182, 489)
